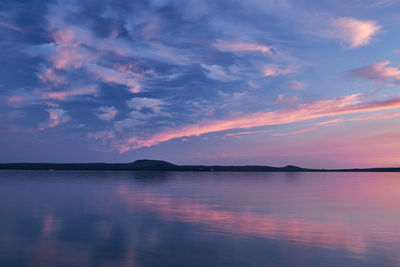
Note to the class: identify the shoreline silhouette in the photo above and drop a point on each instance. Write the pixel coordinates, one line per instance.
(161, 165)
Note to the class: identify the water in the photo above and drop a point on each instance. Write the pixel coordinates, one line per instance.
(77, 218)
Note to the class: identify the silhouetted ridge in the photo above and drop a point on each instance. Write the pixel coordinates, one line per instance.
(161, 165)
(292, 168)
(153, 164)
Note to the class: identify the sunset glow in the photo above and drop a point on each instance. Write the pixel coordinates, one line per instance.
(218, 82)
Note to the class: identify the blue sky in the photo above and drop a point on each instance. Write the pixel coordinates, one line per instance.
(312, 83)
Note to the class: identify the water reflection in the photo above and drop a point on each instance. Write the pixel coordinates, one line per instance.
(199, 219)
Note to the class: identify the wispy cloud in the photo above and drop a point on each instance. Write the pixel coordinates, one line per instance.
(324, 108)
(57, 116)
(380, 116)
(379, 71)
(11, 26)
(139, 103)
(296, 85)
(272, 70)
(353, 32)
(107, 113)
(16, 99)
(217, 72)
(311, 128)
(227, 46)
(284, 99)
(64, 95)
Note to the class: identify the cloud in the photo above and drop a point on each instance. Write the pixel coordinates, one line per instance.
(287, 100)
(352, 32)
(57, 116)
(107, 113)
(217, 72)
(296, 132)
(239, 133)
(16, 99)
(324, 108)
(50, 76)
(272, 70)
(227, 46)
(64, 95)
(378, 71)
(139, 103)
(380, 116)
(296, 85)
(102, 135)
(121, 77)
(11, 26)
(310, 129)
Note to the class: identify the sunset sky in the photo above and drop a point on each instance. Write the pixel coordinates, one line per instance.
(309, 83)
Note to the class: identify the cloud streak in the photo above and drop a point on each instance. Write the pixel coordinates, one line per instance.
(64, 95)
(226, 46)
(379, 71)
(324, 108)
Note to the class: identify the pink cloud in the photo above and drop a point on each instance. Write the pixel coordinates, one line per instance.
(129, 80)
(64, 95)
(242, 47)
(323, 108)
(329, 122)
(52, 105)
(353, 32)
(287, 100)
(239, 133)
(57, 116)
(102, 135)
(275, 70)
(310, 129)
(377, 71)
(16, 99)
(65, 36)
(67, 57)
(296, 132)
(380, 116)
(50, 76)
(11, 26)
(296, 85)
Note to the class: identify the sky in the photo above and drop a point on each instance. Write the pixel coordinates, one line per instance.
(308, 83)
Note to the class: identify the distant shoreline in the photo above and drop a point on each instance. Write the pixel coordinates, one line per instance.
(159, 165)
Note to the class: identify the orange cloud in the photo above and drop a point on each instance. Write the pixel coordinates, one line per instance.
(324, 108)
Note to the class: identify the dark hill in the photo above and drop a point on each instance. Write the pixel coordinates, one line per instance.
(160, 165)
(145, 164)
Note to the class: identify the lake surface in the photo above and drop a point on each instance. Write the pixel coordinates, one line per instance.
(78, 218)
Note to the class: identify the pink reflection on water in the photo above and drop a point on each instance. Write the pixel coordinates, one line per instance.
(339, 232)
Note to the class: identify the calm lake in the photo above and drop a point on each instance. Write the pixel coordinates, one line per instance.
(79, 218)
